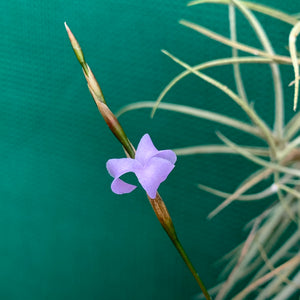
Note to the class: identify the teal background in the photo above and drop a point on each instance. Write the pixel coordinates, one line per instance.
(63, 233)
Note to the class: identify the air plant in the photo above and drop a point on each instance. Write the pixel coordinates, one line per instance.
(267, 264)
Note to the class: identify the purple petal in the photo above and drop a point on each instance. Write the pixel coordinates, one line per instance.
(119, 186)
(168, 155)
(118, 167)
(153, 174)
(145, 149)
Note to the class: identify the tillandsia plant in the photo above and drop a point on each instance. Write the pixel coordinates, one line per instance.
(151, 166)
(267, 264)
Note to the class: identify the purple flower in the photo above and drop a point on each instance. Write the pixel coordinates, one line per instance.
(150, 166)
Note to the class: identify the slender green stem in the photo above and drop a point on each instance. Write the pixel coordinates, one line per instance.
(166, 222)
(187, 261)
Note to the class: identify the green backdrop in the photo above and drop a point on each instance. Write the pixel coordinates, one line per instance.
(63, 233)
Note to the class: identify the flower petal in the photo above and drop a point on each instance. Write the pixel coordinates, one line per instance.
(119, 186)
(145, 149)
(118, 167)
(168, 155)
(153, 174)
